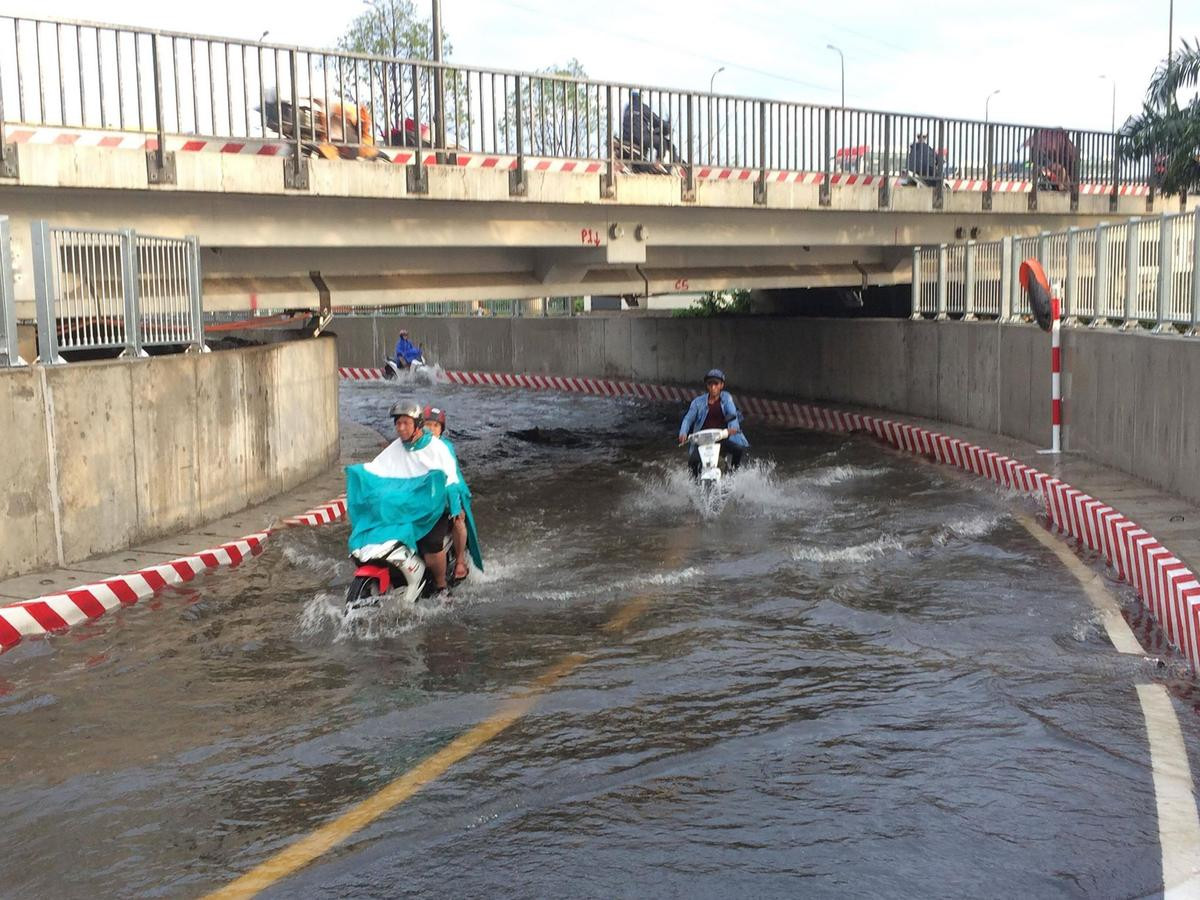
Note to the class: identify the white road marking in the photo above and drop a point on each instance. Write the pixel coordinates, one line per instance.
(1178, 823)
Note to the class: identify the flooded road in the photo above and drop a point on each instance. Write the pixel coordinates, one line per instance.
(862, 676)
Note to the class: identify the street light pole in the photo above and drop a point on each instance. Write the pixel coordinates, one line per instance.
(987, 103)
(714, 78)
(713, 131)
(1113, 122)
(842, 57)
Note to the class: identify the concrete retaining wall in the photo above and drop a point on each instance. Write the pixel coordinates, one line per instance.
(108, 454)
(1129, 397)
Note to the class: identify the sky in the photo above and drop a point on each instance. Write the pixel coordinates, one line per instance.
(1046, 57)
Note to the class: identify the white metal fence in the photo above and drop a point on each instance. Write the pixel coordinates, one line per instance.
(1142, 272)
(114, 290)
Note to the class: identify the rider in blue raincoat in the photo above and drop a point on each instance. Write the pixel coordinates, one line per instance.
(715, 409)
(406, 351)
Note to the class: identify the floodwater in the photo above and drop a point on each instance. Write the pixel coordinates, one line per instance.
(860, 676)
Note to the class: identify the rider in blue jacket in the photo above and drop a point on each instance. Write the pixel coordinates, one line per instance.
(715, 409)
(406, 350)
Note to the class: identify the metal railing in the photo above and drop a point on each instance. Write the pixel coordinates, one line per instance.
(99, 76)
(549, 307)
(1143, 272)
(114, 290)
(9, 355)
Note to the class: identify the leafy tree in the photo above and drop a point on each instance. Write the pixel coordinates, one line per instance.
(560, 118)
(1166, 133)
(716, 303)
(392, 29)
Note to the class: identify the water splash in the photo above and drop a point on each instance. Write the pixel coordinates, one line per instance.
(968, 528)
(884, 545)
(832, 475)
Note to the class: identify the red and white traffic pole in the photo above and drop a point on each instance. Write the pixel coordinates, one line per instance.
(1056, 370)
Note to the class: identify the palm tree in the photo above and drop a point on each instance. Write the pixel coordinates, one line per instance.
(1165, 132)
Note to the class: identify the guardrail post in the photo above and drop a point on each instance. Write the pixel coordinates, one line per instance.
(416, 175)
(885, 183)
(608, 185)
(1071, 289)
(160, 165)
(43, 288)
(196, 295)
(1132, 273)
(129, 289)
(826, 197)
(1116, 175)
(760, 186)
(1195, 324)
(1006, 279)
(1166, 273)
(942, 287)
(295, 170)
(916, 283)
(8, 338)
(1102, 276)
(969, 282)
(517, 184)
(939, 184)
(990, 163)
(1075, 178)
(689, 169)
(1034, 171)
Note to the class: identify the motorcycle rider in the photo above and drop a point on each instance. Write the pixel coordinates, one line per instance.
(435, 421)
(714, 409)
(406, 351)
(415, 453)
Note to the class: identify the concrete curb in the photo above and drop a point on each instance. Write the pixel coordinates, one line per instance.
(1167, 586)
(57, 613)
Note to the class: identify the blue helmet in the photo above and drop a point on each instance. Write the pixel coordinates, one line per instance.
(714, 373)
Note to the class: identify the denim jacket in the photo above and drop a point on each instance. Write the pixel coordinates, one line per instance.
(699, 409)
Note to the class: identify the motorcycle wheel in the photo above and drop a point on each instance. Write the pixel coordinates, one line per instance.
(363, 592)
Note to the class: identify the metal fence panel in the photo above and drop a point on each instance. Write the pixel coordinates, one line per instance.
(927, 292)
(106, 290)
(1110, 301)
(989, 278)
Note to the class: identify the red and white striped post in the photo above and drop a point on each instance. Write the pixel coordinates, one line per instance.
(1056, 370)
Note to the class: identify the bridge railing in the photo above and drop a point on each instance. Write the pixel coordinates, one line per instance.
(61, 73)
(114, 290)
(1139, 273)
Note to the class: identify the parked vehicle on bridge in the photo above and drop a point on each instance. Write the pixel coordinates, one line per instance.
(341, 132)
(645, 145)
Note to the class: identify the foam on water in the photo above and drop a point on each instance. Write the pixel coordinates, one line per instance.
(884, 545)
(754, 491)
(837, 474)
(968, 528)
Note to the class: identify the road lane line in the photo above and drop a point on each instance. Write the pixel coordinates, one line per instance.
(1178, 822)
(1093, 585)
(300, 853)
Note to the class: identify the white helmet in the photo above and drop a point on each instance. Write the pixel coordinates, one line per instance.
(410, 408)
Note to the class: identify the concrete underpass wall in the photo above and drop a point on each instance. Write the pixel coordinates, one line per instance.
(104, 455)
(1130, 398)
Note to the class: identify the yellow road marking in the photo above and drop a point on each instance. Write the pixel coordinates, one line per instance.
(1092, 582)
(314, 845)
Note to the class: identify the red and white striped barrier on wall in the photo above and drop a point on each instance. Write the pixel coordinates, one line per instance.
(265, 146)
(1165, 584)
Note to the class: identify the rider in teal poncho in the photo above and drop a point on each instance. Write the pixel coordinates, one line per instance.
(410, 492)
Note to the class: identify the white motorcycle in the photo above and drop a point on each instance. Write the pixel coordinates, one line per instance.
(708, 444)
(392, 568)
(391, 370)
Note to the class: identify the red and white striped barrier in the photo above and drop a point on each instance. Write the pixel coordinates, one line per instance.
(322, 515)
(55, 613)
(21, 134)
(1165, 584)
(352, 373)
(1056, 371)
